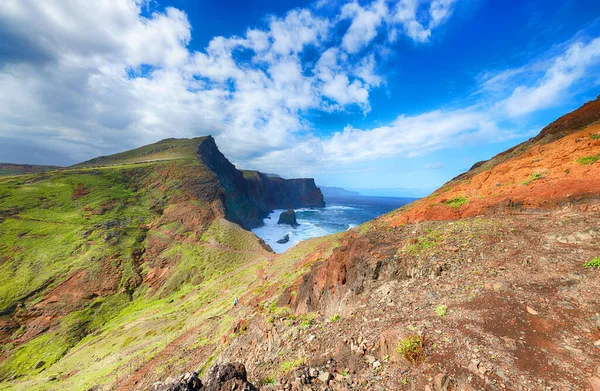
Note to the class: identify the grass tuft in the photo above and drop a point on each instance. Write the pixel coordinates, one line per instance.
(457, 202)
(441, 310)
(587, 160)
(412, 348)
(594, 263)
(534, 177)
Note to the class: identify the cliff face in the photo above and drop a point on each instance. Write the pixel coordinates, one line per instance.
(249, 196)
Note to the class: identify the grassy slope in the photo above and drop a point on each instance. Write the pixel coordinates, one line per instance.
(54, 224)
(168, 149)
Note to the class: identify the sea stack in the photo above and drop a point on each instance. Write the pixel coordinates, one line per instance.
(288, 217)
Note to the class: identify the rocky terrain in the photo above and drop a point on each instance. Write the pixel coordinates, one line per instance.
(490, 283)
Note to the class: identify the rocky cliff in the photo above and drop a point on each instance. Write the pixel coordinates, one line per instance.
(249, 196)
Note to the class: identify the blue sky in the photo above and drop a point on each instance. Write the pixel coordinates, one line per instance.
(388, 97)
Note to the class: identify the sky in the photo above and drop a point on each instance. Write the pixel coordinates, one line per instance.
(387, 97)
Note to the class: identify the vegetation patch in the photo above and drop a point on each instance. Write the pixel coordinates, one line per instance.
(587, 160)
(457, 202)
(595, 136)
(534, 177)
(595, 263)
(441, 310)
(334, 318)
(424, 243)
(287, 366)
(412, 348)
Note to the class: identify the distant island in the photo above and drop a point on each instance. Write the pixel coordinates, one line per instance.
(337, 192)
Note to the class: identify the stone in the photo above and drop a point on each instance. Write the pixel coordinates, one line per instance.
(441, 382)
(370, 359)
(474, 368)
(188, 381)
(313, 372)
(324, 377)
(376, 364)
(288, 217)
(226, 377)
(595, 383)
(461, 385)
(284, 240)
(532, 311)
(498, 287)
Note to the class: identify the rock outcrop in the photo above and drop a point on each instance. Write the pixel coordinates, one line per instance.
(284, 240)
(221, 377)
(187, 382)
(249, 196)
(288, 217)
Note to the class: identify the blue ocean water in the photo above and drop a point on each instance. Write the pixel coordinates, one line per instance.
(340, 214)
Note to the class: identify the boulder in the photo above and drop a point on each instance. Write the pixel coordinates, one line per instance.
(227, 377)
(187, 382)
(288, 217)
(221, 377)
(285, 239)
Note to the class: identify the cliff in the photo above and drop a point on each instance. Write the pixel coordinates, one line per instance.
(249, 196)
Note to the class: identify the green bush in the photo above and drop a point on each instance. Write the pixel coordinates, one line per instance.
(587, 160)
(593, 263)
(457, 202)
(412, 348)
(441, 310)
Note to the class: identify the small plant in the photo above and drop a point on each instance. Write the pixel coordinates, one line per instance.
(457, 202)
(595, 263)
(412, 348)
(287, 366)
(345, 373)
(307, 320)
(334, 318)
(586, 161)
(269, 380)
(441, 310)
(418, 245)
(595, 136)
(533, 177)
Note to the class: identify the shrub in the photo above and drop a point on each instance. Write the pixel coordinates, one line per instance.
(457, 202)
(412, 348)
(587, 160)
(534, 177)
(593, 263)
(334, 318)
(287, 366)
(441, 310)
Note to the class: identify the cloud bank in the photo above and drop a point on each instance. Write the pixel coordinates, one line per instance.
(81, 79)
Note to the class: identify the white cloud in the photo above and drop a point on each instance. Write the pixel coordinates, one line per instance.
(88, 78)
(564, 71)
(365, 24)
(407, 14)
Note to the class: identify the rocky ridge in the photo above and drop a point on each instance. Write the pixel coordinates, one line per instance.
(487, 275)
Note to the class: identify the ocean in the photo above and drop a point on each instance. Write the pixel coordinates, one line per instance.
(340, 214)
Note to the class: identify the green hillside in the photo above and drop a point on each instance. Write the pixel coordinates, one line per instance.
(168, 149)
(101, 268)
